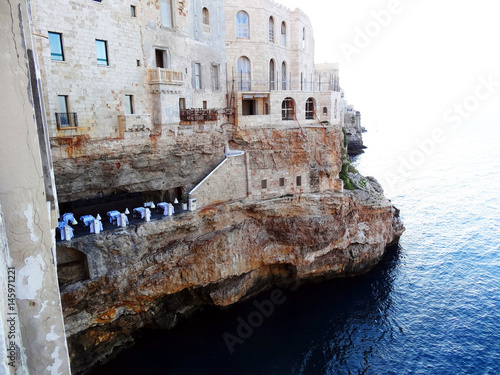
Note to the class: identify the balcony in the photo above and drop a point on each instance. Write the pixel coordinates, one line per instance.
(135, 122)
(199, 115)
(66, 120)
(165, 76)
(243, 82)
(202, 115)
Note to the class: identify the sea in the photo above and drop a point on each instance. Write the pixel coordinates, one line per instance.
(431, 306)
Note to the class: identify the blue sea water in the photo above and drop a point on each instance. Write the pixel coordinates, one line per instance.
(432, 306)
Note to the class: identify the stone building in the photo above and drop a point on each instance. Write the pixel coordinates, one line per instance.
(115, 67)
(143, 96)
(271, 71)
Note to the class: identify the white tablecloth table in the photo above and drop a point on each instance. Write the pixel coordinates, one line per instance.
(86, 219)
(68, 217)
(92, 226)
(113, 216)
(65, 230)
(140, 210)
(165, 207)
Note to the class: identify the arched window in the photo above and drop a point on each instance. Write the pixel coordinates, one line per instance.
(287, 109)
(325, 110)
(271, 29)
(283, 33)
(283, 76)
(304, 38)
(206, 16)
(272, 78)
(244, 82)
(310, 109)
(242, 25)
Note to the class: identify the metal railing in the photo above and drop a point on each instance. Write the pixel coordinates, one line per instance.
(200, 114)
(165, 76)
(66, 120)
(245, 83)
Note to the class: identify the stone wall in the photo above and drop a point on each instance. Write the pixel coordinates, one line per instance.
(226, 183)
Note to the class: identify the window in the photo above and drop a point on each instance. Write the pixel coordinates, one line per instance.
(299, 181)
(206, 16)
(271, 29)
(263, 184)
(205, 104)
(129, 104)
(283, 33)
(283, 76)
(166, 13)
(244, 82)
(287, 109)
(56, 47)
(182, 103)
(266, 108)
(197, 76)
(310, 109)
(64, 118)
(335, 109)
(138, 62)
(325, 110)
(102, 52)
(282, 181)
(162, 58)
(304, 38)
(242, 25)
(249, 107)
(132, 11)
(63, 110)
(301, 81)
(272, 78)
(215, 77)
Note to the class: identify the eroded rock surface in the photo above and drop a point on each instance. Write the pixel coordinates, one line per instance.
(152, 274)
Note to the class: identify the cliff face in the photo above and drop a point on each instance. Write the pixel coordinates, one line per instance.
(354, 133)
(141, 162)
(151, 274)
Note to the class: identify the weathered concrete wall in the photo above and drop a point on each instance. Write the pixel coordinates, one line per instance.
(228, 182)
(26, 203)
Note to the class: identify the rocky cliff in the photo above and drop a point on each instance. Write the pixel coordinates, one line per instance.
(354, 133)
(153, 274)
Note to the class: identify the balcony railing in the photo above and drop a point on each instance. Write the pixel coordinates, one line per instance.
(66, 120)
(165, 76)
(135, 122)
(245, 83)
(199, 114)
(202, 115)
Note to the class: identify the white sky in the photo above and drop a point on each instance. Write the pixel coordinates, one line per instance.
(429, 57)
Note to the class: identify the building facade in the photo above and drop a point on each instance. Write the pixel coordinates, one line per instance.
(112, 67)
(272, 77)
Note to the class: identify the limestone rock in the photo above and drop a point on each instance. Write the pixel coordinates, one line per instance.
(152, 274)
